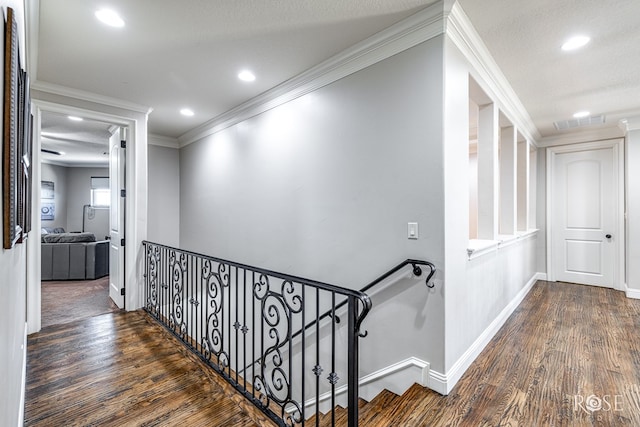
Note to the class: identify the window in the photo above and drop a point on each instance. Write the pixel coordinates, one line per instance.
(100, 194)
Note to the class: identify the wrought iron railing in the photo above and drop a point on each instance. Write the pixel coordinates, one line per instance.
(271, 335)
(231, 314)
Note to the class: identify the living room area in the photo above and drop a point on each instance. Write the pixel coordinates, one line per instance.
(75, 212)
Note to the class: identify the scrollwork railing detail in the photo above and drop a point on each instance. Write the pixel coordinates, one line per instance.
(254, 327)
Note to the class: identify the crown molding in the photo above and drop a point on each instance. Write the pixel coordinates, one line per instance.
(82, 95)
(113, 129)
(418, 28)
(461, 31)
(440, 18)
(629, 124)
(600, 134)
(162, 141)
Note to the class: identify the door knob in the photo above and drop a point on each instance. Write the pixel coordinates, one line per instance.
(608, 236)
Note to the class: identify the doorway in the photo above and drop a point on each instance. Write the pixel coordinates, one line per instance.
(77, 211)
(134, 119)
(585, 210)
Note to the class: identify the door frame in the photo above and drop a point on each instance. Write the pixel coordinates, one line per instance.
(617, 145)
(132, 117)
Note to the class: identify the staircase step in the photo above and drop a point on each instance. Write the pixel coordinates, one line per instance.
(361, 405)
(371, 411)
(412, 408)
(342, 416)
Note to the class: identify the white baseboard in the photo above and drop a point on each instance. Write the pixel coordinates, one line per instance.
(397, 378)
(443, 384)
(23, 386)
(631, 293)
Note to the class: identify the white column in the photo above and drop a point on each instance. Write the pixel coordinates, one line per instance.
(508, 196)
(522, 182)
(488, 137)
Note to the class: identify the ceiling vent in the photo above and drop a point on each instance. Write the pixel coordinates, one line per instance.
(575, 123)
(55, 153)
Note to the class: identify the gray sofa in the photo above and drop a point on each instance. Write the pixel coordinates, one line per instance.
(73, 256)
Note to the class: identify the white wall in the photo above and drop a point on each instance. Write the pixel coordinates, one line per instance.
(323, 187)
(633, 210)
(164, 195)
(57, 175)
(541, 210)
(477, 291)
(13, 294)
(473, 195)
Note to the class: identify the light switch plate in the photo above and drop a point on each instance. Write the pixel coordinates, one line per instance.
(412, 230)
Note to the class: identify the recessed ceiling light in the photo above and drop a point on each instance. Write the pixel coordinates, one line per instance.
(110, 18)
(246, 76)
(187, 112)
(75, 118)
(575, 42)
(581, 114)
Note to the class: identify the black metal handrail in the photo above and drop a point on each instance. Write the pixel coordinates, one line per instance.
(228, 313)
(416, 270)
(416, 263)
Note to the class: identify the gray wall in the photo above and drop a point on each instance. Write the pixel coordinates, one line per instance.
(164, 196)
(72, 192)
(57, 175)
(79, 194)
(324, 186)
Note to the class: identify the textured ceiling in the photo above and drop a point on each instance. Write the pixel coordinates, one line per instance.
(172, 54)
(524, 37)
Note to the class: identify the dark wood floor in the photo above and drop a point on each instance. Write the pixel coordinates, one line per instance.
(67, 301)
(565, 347)
(121, 369)
(568, 356)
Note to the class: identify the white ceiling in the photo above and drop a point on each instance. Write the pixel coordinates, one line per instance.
(84, 143)
(524, 37)
(172, 54)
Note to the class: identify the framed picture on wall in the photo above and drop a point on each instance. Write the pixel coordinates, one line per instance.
(48, 211)
(47, 190)
(47, 202)
(11, 155)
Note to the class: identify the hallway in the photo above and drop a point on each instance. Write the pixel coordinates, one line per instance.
(569, 355)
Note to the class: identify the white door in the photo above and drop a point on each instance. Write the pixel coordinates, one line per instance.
(116, 220)
(584, 216)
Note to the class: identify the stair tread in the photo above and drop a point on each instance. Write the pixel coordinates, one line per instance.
(342, 416)
(385, 409)
(412, 408)
(376, 406)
